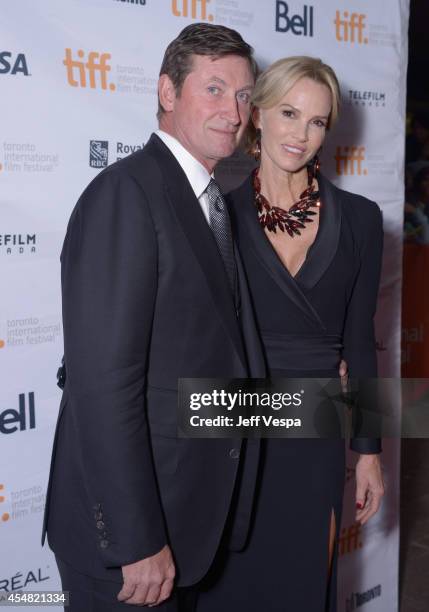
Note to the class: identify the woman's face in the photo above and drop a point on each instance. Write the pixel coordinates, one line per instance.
(293, 130)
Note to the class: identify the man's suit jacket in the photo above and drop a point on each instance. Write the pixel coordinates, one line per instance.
(145, 301)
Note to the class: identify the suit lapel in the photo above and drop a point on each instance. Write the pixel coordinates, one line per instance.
(322, 252)
(249, 229)
(188, 212)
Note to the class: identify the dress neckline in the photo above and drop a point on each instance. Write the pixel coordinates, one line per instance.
(307, 258)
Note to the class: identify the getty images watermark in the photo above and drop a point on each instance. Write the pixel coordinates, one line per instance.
(302, 408)
(245, 401)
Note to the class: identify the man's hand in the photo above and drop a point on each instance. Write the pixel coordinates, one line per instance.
(149, 581)
(369, 487)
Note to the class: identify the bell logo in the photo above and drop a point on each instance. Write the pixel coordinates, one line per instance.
(5, 516)
(10, 65)
(80, 73)
(12, 420)
(197, 8)
(348, 26)
(349, 161)
(297, 24)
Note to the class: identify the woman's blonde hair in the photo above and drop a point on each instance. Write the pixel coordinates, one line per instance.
(276, 80)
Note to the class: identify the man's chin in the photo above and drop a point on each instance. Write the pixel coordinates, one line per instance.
(224, 152)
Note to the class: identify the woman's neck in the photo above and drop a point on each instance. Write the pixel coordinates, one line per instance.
(280, 187)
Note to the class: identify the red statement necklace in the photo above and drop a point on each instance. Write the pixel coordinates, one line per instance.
(296, 217)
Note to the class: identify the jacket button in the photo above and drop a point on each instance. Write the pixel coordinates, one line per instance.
(104, 544)
(100, 525)
(234, 453)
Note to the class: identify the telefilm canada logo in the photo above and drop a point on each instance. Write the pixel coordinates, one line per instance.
(18, 244)
(356, 600)
(367, 98)
(299, 24)
(99, 151)
(19, 419)
(13, 64)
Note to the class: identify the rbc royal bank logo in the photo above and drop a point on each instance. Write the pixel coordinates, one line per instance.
(98, 153)
(196, 9)
(91, 71)
(350, 28)
(349, 161)
(300, 25)
(11, 64)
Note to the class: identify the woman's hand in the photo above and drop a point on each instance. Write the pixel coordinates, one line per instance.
(369, 487)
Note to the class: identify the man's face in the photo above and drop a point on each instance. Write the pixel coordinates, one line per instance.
(213, 108)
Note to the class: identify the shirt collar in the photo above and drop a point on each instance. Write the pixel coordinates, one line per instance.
(195, 172)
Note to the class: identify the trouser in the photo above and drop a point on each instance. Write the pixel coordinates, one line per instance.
(88, 594)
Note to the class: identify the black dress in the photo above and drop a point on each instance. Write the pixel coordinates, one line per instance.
(307, 323)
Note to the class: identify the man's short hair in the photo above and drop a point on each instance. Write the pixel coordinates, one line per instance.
(201, 39)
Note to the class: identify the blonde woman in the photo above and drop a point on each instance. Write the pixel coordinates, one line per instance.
(312, 254)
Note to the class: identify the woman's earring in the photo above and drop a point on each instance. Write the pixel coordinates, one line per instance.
(255, 151)
(314, 165)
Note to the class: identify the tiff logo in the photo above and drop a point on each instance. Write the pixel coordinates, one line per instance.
(5, 516)
(350, 28)
(197, 8)
(84, 72)
(350, 539)
(297, 24)
(349, 161)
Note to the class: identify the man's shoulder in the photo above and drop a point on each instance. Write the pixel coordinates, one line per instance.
(140, 165)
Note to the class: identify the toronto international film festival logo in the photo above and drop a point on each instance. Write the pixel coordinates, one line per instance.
(90, 72)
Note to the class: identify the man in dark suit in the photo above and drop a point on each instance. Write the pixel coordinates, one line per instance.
(152, 293)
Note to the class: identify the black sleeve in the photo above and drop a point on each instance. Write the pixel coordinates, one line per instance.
(109, 283)
(359, 337)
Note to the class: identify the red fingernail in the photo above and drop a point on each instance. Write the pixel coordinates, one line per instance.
(359, 505)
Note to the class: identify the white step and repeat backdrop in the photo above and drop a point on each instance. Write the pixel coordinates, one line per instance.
(77, 92)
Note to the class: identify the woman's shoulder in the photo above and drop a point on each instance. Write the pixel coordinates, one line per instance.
(244, 191)
(354, 206)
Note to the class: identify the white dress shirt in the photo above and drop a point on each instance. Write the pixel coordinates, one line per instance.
(195, 172)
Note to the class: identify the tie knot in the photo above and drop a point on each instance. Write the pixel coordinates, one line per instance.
(213, 190)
